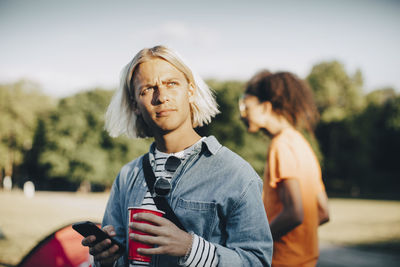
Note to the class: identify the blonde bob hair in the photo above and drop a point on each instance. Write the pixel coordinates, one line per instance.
(122, 120)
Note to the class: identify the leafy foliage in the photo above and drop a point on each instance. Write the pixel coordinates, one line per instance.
(77, 148)
(336, 93)
(360, 151)
(20, 104)
(60, 146)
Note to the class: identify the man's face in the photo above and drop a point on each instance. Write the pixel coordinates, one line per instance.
(163, 96)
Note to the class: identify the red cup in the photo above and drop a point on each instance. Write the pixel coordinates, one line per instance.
(134, 245)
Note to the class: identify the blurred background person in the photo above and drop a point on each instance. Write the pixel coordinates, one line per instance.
(281, 105)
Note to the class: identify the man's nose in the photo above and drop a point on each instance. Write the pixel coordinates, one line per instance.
(162, 95)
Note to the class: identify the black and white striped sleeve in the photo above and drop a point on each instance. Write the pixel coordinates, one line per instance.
(203, 253)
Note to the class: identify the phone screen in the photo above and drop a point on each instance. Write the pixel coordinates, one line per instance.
(88, 228)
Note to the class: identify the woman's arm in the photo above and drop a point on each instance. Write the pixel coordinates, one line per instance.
(292, 213)
(323, 210)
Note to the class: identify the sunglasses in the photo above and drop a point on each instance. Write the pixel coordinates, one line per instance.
(242, 107)
(162, 186)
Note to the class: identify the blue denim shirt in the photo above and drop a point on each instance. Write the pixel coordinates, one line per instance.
(215, 193)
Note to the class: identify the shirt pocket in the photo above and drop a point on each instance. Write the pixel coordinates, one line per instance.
(197, 216)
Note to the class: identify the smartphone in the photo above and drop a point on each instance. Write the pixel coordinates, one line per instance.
(87, 228)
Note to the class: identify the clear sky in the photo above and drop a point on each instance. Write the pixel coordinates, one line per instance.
(69, 46)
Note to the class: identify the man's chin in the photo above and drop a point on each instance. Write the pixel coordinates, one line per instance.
(165, 129)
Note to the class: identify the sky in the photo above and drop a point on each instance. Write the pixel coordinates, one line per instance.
(70, 46)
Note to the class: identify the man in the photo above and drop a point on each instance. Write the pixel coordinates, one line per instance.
(294, 195)
(215, 194)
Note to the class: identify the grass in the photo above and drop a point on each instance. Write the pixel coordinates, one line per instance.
(364, 223)
(25, 221)
(369, 224)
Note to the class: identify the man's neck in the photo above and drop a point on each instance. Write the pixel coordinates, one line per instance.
(176, 141)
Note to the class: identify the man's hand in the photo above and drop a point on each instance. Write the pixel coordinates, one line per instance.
(102, 252)
(167, 236)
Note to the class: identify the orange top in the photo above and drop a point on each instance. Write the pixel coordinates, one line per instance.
(291, 157)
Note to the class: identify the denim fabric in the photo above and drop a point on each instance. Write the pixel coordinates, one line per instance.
(215, 193)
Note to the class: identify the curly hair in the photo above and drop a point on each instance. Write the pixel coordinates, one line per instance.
(290, 97)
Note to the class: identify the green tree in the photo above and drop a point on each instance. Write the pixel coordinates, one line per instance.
(336, 93)
(20, 104)
(360, 151)
(380, 96)
(226, 125)
(32, 170)
(78, 149)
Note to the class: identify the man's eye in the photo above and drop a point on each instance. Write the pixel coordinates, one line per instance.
(172, 83)
(145, 90)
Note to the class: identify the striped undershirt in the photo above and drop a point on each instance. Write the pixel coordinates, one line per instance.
(203, 253)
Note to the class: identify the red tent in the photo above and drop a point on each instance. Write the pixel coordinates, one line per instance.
(62, 248)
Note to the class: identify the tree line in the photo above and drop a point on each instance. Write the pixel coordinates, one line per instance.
(60, 144)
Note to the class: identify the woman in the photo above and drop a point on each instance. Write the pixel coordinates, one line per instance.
(293, 194)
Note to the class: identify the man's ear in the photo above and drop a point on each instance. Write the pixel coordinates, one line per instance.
(191, 91)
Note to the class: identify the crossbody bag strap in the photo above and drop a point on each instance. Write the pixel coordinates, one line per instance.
(161, 202)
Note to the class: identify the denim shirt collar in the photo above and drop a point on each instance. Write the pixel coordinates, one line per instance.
(210, 144)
